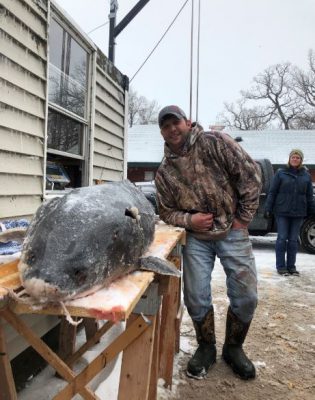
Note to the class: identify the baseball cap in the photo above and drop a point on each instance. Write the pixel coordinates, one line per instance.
(168, 111)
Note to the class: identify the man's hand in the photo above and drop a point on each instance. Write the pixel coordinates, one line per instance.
(201, 222)
(237, 224)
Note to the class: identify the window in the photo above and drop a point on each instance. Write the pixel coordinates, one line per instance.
(67, 71)
(64, 134)
(68, 99)
(148, 175)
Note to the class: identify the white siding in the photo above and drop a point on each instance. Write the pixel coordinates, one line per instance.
(23, 44)
(109, 122)
(23, 78)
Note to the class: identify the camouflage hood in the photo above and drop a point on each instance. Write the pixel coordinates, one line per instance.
(212, 174)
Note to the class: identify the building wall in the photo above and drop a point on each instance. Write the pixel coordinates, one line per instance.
(141, 174)
(23, 78)
(109, 122)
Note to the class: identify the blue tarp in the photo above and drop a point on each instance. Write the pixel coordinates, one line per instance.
(12, 247)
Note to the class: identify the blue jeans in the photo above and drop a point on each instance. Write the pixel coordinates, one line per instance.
(236, 256)
(287, 241)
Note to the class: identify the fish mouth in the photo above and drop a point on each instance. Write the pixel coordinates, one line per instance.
(42, 291)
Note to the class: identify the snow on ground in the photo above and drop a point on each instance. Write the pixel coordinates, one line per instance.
(107, 382)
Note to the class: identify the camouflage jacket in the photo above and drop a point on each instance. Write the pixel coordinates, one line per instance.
(212, 174)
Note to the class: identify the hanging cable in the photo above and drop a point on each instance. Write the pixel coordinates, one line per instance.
(154, 48)
(191, 58)
(198, 56)
(105, 23)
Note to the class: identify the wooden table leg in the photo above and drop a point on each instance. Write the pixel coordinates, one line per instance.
(91, 327)
(7, 385)
(88, 344)
(45, 351)
(136, 364)
(130, 335)
(168, 330)
(67, 339)
(155, 359)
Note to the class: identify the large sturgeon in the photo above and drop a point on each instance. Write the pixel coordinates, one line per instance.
(86, 239)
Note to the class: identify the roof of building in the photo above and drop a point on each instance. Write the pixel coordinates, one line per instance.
(145, 144)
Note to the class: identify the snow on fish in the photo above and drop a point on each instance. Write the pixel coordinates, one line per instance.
(86, 239)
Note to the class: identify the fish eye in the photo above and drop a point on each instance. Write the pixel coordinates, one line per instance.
(80, 276)
(130, 213)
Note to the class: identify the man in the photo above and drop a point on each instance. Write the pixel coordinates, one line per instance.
(209, 185)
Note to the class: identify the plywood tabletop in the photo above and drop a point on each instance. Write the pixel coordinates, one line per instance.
(114, 302)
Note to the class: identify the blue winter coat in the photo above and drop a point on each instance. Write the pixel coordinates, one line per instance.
(291, 195)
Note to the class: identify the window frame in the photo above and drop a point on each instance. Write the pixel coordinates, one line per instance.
(86, 121)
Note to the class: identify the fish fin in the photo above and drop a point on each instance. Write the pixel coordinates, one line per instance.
(159, 265)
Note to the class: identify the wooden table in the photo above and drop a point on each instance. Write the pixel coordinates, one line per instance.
(151, 306)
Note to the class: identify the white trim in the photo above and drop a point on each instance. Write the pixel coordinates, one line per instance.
(92, 117)
(46, 102)
(66, 18)
(64, 154)
(67, 113)
(125, 167)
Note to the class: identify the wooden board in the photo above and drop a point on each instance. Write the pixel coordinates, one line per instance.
(9, 278)
(114, 303)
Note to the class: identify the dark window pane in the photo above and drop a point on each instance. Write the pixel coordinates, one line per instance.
(56, 44)
(78, 63)
(64, 134)
(66, 92)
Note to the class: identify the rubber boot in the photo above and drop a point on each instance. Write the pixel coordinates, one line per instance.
(205, 355)
(233, 352)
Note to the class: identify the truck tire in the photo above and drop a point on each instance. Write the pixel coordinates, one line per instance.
(307, 235)
(267, 174)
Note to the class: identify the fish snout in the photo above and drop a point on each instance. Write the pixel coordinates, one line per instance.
(42, 291)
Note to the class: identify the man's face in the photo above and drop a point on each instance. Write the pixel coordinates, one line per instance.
(175, 132)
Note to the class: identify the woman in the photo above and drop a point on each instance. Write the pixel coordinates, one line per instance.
(291, 200)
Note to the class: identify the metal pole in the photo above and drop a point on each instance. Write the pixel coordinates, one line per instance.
(112, 24)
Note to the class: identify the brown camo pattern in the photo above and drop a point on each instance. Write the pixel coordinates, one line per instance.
(236, 330)
(212, 174)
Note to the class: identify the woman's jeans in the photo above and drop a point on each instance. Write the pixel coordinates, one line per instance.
(236, 256)
(287, 241)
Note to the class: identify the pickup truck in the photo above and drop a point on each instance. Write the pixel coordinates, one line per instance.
(259, 226)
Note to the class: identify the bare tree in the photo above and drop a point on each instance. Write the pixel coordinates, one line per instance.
(141, 110)
(240, 117)
(274, 88)
(305, 81)
(304, 86)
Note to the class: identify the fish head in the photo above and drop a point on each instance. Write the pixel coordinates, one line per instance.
(58, 262)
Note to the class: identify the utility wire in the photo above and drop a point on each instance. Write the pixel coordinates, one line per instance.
(191, 57)
(105, 23)
(154, 48)
(198, 58)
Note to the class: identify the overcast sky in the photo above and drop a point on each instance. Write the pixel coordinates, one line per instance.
(238, 40)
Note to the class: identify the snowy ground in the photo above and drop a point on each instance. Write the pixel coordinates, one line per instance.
(281, 342)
